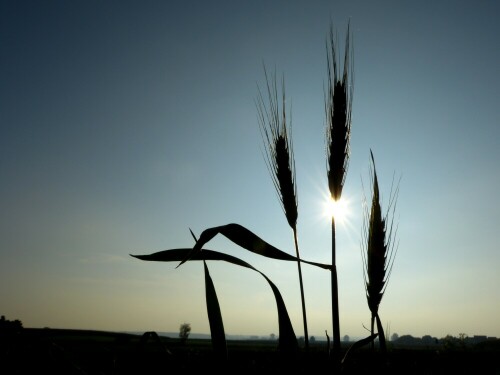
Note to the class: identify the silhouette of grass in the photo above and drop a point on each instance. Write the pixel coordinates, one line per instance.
(378, 251)
(281, 164)
(338, 106)
(276, 133)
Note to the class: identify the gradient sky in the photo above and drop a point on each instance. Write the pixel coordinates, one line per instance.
(125, 123)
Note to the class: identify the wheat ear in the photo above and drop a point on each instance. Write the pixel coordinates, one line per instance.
(338, 105)
(280, 161)
(379, 250)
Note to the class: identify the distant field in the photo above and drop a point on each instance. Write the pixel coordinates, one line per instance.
(57, 351)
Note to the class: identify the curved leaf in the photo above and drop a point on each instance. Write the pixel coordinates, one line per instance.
(287, 340)
(247, 240)
(214, 317)
(359, 344)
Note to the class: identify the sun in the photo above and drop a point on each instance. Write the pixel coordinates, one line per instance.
(338, 209)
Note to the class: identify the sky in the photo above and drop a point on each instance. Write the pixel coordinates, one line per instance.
(127, 123)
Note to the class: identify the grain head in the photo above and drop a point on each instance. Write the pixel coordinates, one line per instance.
(338, 104)
(276, 134)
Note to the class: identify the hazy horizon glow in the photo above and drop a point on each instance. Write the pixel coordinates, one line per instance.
(125, 125)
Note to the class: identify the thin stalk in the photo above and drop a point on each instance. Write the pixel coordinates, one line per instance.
(372, 329)
(304, 316)
(335, 301)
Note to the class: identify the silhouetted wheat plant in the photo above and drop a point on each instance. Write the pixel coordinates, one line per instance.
(338, 105)
(378, 250)
(276, 133)
(281, 164)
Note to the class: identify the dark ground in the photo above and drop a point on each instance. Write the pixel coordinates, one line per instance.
(52, 351)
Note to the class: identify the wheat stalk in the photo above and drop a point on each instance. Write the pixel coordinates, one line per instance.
(280, 161)
(338, 105)
(378, 250)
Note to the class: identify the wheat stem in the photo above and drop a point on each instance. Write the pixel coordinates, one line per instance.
(335, 302)
(302, 297)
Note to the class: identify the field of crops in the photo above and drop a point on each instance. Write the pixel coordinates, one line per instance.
(93, 352)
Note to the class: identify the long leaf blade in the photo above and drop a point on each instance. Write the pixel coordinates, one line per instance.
(359, 344)
(248, 240)
(287, 340)
(215, 318)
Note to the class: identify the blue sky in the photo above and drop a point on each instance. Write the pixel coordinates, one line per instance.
(125, 124)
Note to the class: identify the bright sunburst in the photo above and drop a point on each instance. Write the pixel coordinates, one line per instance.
(338, 209)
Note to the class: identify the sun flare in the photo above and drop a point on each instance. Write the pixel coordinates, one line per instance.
(338, 209)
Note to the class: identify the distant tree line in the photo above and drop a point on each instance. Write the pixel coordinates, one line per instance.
(447, 342)
(10, 326)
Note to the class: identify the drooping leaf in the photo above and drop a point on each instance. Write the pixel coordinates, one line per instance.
(359, 344)
(215, 318)
(287, 341)
(247, 240)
